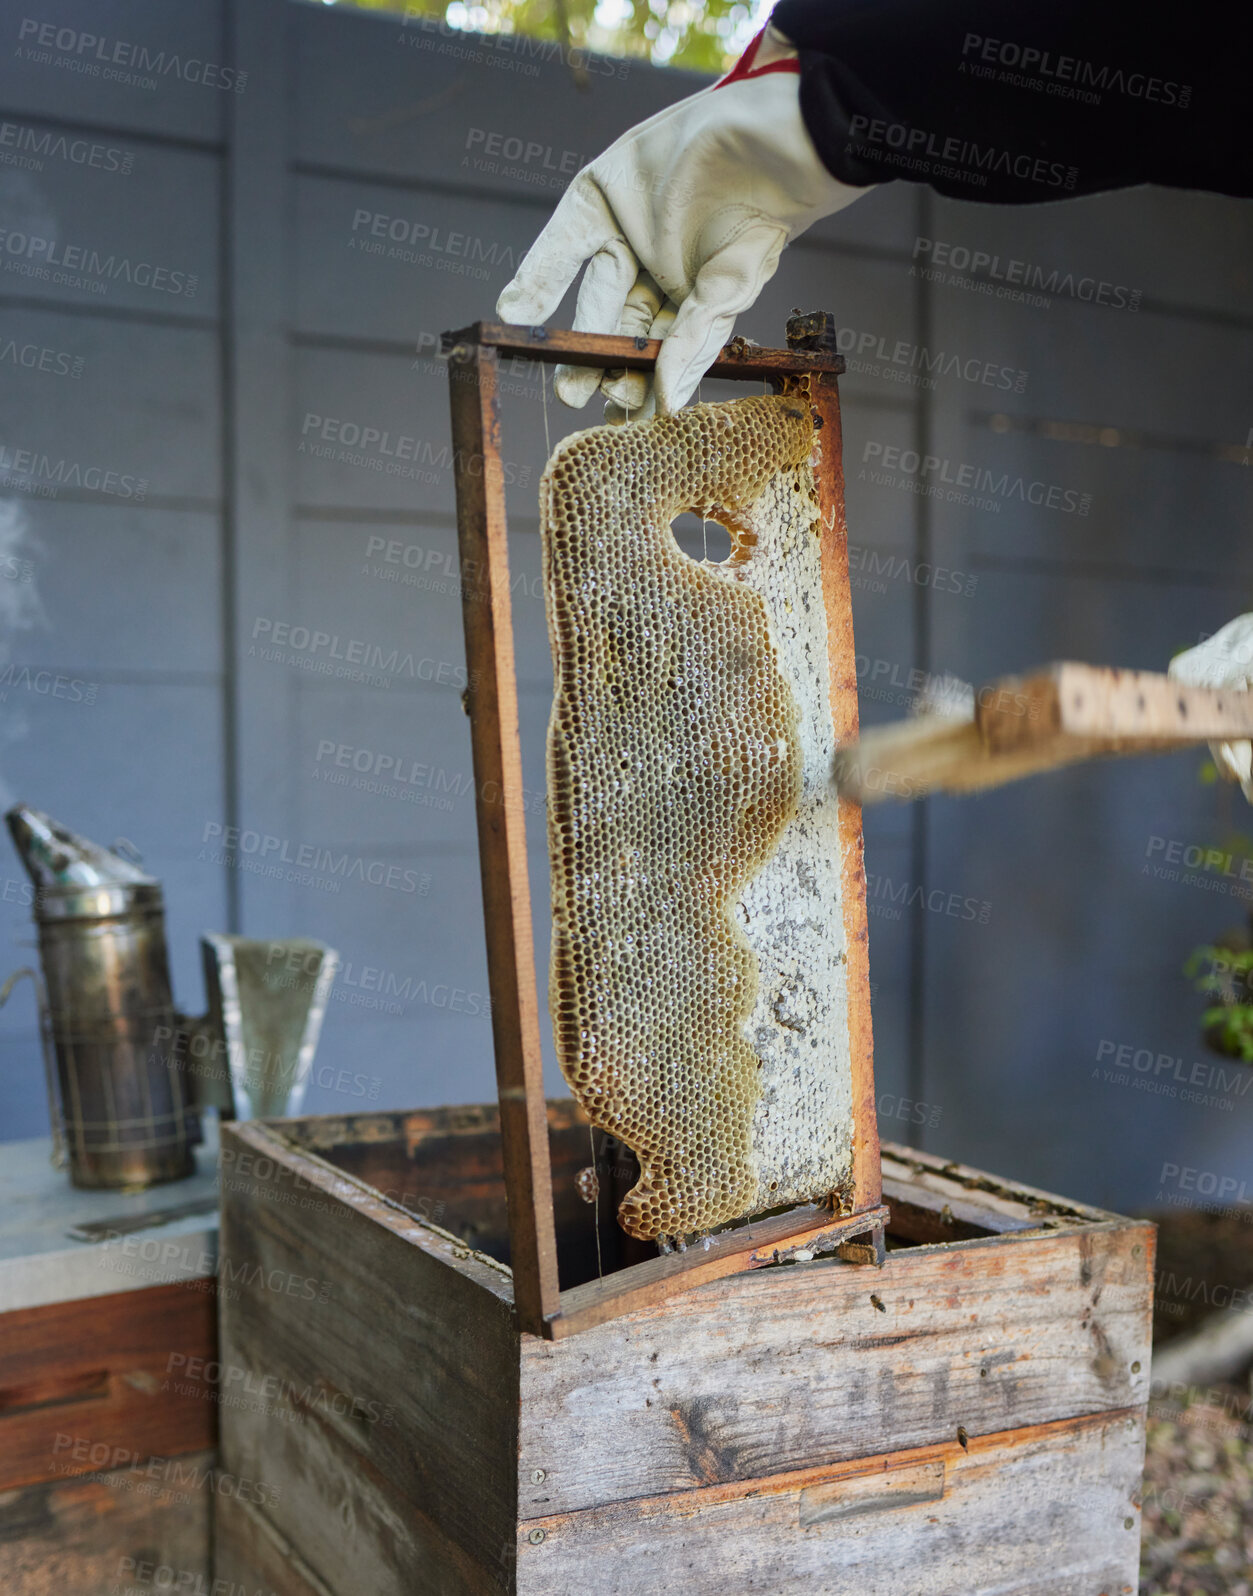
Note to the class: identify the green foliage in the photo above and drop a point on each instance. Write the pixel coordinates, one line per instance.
(1226, 974)
(701, 35)
(1231, 1026)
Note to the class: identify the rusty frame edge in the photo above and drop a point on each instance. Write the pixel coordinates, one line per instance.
(738, 360)
(492, 705)
(492, 702)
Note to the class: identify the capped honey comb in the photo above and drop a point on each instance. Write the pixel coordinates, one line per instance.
(698, 973)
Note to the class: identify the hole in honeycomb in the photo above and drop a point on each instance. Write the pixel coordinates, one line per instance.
(675, 766)
(699, 539)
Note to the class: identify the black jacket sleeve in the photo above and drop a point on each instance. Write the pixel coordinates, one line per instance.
(1014, 104)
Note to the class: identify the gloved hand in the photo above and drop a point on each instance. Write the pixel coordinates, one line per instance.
(1224, 660)
(683, 220)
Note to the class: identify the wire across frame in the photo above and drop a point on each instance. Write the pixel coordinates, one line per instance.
(808, 367)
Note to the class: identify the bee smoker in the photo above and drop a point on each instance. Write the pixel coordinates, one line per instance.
(121, 1112)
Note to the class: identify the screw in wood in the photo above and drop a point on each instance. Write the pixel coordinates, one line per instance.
(538, 1476)
(535, 1537)
(1135, 1367)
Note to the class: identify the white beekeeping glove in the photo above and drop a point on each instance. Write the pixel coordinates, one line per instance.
(681, 221)
(1224, 660)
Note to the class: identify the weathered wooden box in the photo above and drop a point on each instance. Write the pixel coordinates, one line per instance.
(969, 1418)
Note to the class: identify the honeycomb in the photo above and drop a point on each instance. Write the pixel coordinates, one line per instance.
(697, 980)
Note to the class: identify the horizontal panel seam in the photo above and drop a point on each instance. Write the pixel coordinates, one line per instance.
(884, 1463)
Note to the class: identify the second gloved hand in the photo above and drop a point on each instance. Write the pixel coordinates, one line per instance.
(681, 222)
(1224, 660)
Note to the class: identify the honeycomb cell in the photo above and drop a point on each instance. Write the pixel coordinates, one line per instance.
(697, 968)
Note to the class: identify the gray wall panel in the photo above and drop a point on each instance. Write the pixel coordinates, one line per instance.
(401, 99)
(116, 755)
(146, 241)
(1163, 511)
(1088, 942)
(142, 421)
(134, 64)
(384, 768)
(367, 434)
(125, 590)
(1177, 248)
(1158, 373)
(389, 263)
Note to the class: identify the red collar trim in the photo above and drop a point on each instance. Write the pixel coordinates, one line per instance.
(744, 67)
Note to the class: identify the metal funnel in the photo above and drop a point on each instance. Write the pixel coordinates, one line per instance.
(267, 999)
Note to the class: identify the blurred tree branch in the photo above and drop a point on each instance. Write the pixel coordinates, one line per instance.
(700, 35)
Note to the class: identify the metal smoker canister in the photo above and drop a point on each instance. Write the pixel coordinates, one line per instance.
(120, 1107)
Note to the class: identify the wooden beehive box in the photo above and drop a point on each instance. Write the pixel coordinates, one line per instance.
(444, 1373)
(968, 1418)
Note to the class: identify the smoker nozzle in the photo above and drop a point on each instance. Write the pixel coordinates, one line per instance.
(55, 857)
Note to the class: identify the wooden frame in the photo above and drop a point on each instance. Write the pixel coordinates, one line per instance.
(808, 367)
